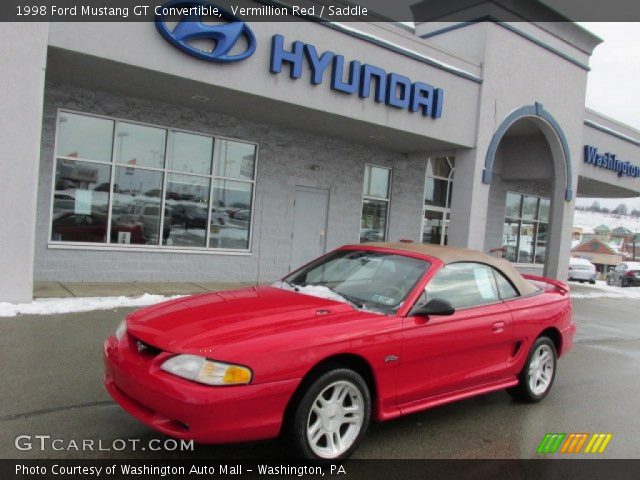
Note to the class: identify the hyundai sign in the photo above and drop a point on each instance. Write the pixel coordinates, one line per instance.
(350, 78)
(391, 88)
(191, 28)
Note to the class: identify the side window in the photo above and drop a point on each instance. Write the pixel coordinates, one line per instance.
(505, 288)
(463, 285)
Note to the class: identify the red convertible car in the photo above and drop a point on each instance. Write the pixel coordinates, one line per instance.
(365, 332)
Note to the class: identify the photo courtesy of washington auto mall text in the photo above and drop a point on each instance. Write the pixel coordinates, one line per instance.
(359, 239)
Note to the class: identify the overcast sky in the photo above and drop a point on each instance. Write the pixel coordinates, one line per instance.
(612, 88)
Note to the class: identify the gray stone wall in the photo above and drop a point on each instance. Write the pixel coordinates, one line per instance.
(285, 159)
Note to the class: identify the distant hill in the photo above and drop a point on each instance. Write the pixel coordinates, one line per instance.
(589, 220)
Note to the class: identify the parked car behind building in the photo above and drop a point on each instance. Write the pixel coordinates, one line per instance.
(582, 270)
(626, 274)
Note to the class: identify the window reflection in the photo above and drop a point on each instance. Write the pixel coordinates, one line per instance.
(543, 210)
(375, 204)
(234, 160)
(435, 192)
(191, 153)
(439, 167)
(81, 136)
(525, 229)
(438, 190)
(435, 227)
(514, 201)
(135, 214)
(187, 207)
(230, 214)
(127, 161)
(139, 145)
(374, 220)
(526, 241)
(376, 182)
(529, 207)
(510, 239)
(80, 202)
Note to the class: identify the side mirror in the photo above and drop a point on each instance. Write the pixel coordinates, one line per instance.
(437, 306)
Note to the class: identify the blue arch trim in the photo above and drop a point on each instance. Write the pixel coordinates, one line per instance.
(536, 110)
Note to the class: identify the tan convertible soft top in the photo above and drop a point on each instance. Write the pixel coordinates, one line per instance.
(454, 254)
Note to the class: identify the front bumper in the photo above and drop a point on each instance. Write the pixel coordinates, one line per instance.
(184, 409)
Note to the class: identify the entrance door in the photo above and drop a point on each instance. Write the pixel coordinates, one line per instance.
(309, 225)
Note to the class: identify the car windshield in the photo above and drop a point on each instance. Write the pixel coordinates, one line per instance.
(368, 279)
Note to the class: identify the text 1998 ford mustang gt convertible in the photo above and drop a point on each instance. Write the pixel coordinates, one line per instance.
(375, 330)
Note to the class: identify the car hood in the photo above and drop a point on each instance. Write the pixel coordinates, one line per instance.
(205, 322)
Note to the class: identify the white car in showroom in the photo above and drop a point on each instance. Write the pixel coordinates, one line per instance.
(582, 270)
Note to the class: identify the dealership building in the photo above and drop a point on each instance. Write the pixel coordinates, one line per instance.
(131, 153)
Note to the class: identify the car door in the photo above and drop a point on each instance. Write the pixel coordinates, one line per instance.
(443, 354)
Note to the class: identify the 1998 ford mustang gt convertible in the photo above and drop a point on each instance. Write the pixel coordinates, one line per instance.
(367, 331)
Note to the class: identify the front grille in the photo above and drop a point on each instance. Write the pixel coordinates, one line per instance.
(144, 348)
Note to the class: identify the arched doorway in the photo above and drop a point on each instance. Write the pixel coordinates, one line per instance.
(528, 167)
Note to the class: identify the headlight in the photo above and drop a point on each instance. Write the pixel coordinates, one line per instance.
(202, 370)
(121, 330)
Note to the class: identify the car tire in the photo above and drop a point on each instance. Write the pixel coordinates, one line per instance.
(592, 282)
(331, 430)
(539, 371)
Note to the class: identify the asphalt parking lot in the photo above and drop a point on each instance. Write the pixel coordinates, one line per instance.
(51, 384)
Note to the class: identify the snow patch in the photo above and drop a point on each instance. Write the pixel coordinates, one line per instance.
(313, 290)
(588, 221)
(602, 290)
(51, 306)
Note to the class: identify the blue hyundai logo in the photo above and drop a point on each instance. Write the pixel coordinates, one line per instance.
(191, 27)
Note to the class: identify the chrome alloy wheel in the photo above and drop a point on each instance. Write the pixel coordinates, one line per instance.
(541, 368)
(335, 419)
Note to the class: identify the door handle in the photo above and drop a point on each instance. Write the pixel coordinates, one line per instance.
(498, 327)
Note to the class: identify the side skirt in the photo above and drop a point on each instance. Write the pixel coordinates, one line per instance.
(447, 398)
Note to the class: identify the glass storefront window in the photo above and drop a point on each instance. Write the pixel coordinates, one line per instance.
(80, 202)
(181, 202)
(514, 202)
(541, 242)
(191, 153)
(438, 189)
(139, 145)
(529, 207)
(440, 167)
(137, 202)
(435, 192)
(81, 136)
(543, 210)
(525, 229)
(526, 240)
(187, 210)
(375, 204)
(510, 239)
(230, 214)
(435, 225)
(234, 160)
(373, 225)
(376, 182)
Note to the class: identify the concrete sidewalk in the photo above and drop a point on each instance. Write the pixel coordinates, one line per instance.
(127, 289)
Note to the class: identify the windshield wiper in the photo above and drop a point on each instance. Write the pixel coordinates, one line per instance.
(352, 300)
